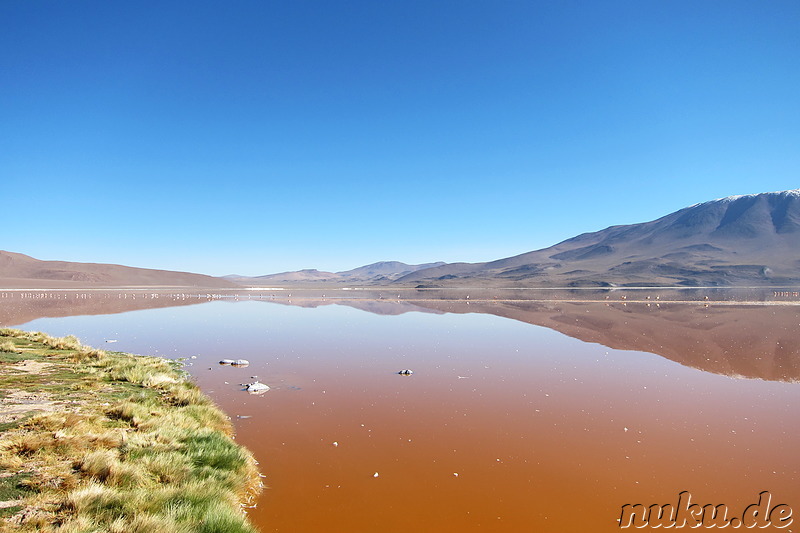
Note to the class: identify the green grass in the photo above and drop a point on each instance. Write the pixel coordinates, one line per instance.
(5, 426)
(12, 487)
(119, 443)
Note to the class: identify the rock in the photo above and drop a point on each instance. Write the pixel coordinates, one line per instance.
(227, 362)
(241, 362)
(406, 372)
(256, 386)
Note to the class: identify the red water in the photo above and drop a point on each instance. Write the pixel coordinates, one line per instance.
(504, 425)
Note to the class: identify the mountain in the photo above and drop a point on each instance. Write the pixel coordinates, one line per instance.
(18, 270)
(385, 270)
(293, 278)
(375, 273)
(738, 240)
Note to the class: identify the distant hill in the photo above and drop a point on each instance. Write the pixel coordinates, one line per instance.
(386, 270)
(376, 273)
(738, 240)
(18, 270)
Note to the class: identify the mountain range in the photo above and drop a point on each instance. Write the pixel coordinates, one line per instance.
(739, 240)
(374, 274)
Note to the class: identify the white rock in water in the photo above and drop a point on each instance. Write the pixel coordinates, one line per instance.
(241, 362)
(257, 387)
(406, 372)
(227, 362)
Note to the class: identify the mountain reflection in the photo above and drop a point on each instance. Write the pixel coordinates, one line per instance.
(18, 307)
(757, 339)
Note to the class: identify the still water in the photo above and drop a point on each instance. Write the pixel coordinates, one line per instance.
(525, 412)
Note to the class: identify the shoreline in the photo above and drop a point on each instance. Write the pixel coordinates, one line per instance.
(388, 288)
(102, 440)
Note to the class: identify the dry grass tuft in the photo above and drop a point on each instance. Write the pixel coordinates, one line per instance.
(8, 346)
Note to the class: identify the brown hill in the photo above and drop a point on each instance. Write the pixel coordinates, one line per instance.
(22, 271)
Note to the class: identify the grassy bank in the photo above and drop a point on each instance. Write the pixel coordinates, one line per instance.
(105, 441)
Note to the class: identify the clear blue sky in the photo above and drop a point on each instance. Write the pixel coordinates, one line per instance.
(256, 136)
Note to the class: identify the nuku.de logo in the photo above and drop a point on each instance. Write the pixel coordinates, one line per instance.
(692, 515)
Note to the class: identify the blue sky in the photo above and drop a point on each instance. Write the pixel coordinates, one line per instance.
(255, 137)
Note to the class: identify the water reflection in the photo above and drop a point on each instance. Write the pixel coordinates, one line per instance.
(751, 341)
(504, 425)
(18, 307)
(728, 333)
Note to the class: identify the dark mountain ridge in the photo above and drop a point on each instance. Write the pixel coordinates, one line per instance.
(731, 241)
